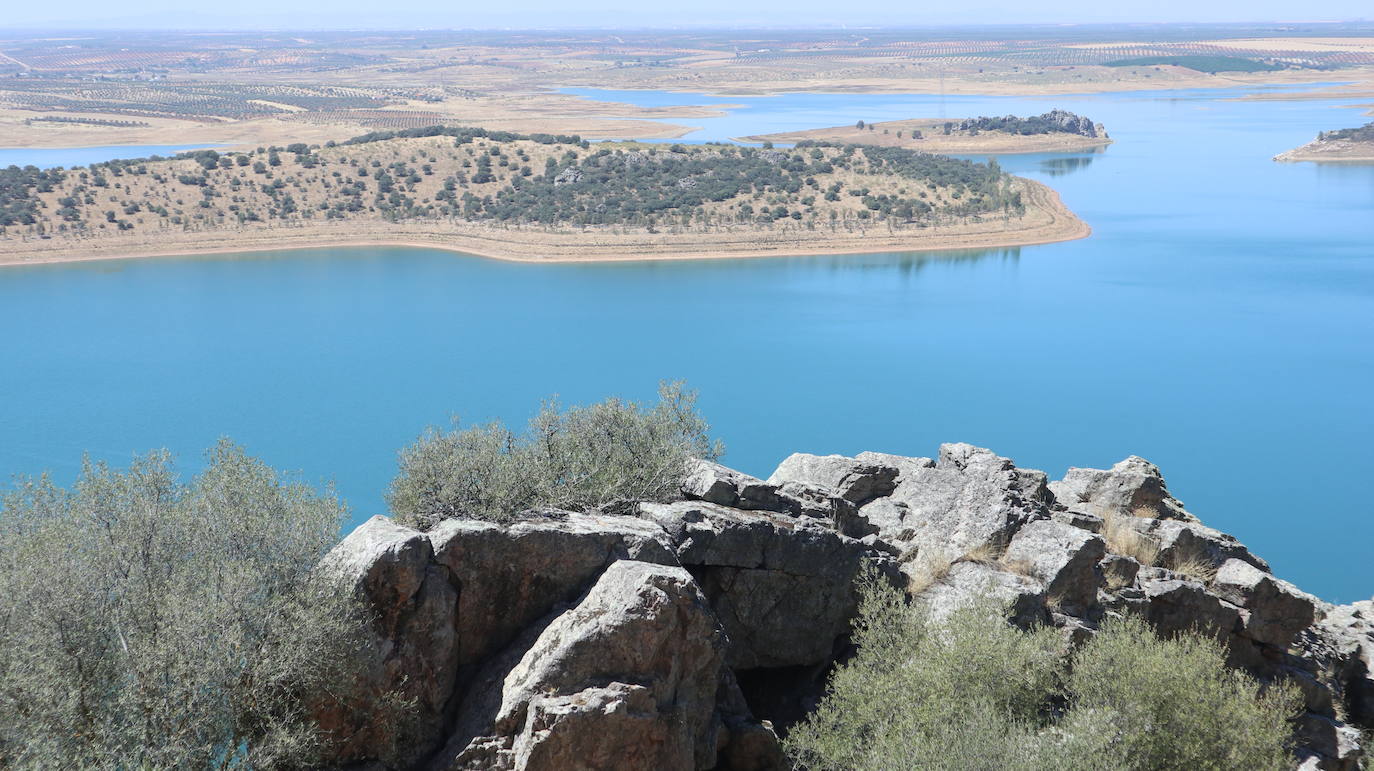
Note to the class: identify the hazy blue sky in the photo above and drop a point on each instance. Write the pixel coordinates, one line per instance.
(546, 13)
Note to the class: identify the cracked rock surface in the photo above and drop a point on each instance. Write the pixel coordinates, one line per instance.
(686, 634)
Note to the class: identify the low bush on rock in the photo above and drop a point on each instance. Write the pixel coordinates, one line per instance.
(147, 623)
(1175, 704)
(574, 459)
(970, 691)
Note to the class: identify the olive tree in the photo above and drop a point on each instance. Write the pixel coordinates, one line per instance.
(576, 458)
(148, 623)
(967, 690)
(1175, 703)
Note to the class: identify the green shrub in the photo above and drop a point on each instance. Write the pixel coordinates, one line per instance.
(970, 691)
(146, 623)
(1177, 705)
(575, 459)
(963, 692)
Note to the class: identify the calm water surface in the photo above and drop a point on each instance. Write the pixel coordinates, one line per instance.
(1219, 322)
(47, 157)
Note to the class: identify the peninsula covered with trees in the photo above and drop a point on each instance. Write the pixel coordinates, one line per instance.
(1056, 130)
(535, 196)
(1350, 145)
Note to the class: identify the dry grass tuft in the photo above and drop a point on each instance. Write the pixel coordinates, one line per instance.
(1127, 541)
(1021, 567)
(1117, 581)
(1054, 602)
(987, 554)
(1193, 563)
(930, 567)
(1200, 569)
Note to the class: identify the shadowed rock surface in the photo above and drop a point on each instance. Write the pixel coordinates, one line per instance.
(688, 634)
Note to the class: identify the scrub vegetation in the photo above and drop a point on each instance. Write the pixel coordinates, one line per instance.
(575, 459)
(148, 623)
(968, 690)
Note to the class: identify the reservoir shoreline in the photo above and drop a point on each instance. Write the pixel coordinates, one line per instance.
(1047, 220)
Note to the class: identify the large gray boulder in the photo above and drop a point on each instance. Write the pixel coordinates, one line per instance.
(1274, 611)
(714, 483)
(857, 481)
(969, 582)
(446, 600)
(508, 576)
(783, 587)
(971, 499)
(1062, 557)
(632, 676)
(1178, 604)
(1134, 487)
(646, 629)
(1329, 745)
(905, 466)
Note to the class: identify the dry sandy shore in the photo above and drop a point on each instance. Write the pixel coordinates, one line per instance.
(1331, 151)
(1047, 220)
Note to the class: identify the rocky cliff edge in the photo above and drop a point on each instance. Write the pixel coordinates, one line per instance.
(685, 635)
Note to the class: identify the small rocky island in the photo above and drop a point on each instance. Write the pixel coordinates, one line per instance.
(1054, 131)
(688, 635)
(1351, 145)
(538, 197)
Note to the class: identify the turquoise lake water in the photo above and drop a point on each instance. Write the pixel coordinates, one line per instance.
(1220, 322)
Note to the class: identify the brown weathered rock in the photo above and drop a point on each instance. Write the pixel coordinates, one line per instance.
(389, 567)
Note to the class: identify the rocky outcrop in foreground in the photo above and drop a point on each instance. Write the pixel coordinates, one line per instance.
(687, 635)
